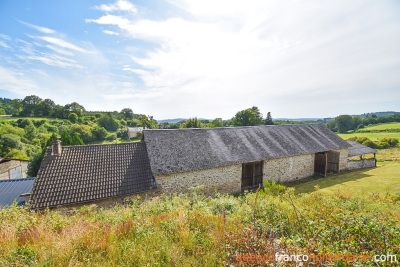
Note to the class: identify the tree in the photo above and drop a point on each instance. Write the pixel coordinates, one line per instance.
(84, 131)
(108, 122)
(73, 117)
(46, 107)
(99, 133)
(77, 140)
(30, 105)
(127, 113)
(218, 122)
(268, 120)
(16, 107)
(192, 123)
(9, 142)
(66, 138)
(36, 160)
(75, 108)
(248, 117)
(30, 132)
(344, 123)
(2, 111)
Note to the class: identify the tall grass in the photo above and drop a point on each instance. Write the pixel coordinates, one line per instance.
(195, 230)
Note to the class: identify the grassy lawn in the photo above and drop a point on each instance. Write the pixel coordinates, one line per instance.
(383, 180)
(372, 136)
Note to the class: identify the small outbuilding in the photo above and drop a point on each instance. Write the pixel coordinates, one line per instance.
(15, 190)
(13, 168)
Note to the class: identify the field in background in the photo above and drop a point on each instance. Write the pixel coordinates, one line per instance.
(376, 132)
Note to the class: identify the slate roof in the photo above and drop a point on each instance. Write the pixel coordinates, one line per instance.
(357, 149)
(11, 189)
(92, 172)
(180, 150)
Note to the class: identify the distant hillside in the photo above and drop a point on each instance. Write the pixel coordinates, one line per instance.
(379, 114)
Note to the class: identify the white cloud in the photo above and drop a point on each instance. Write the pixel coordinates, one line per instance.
(110, 32)
(120, 5)
(62, 43)
(230, 55)
(16, 82)
(39, 28)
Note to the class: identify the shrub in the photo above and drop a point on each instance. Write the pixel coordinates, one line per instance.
(111, 137)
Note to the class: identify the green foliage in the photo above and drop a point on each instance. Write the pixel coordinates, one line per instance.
(77, 140)
(127, 113)
(99, 133)
(8, 142)
(73, 117)
(218, 122)
(34, 164)
(2, 111)
(273, 188)
(111, 137)
(248, 117)
(108, 122)
(66, 138)
(268, 119)
(192, 123)
(381, 144)
(84, 131)
(30, 132)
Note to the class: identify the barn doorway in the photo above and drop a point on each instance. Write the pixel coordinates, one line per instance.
(326, 162)
(252, 175)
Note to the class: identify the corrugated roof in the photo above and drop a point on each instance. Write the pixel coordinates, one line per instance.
(180, 150)
(11, 189)
(357, 149)
(92, 172)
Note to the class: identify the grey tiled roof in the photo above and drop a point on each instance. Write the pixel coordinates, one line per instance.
(357, 149)
(180, 150)
(92, 172)
(11, 189)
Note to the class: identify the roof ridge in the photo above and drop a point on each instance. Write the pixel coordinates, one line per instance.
(90, 145)
(237, 127)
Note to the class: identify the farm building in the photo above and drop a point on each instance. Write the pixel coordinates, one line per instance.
(237, 158)
(13, 168)
(17, 190)
(220, 159)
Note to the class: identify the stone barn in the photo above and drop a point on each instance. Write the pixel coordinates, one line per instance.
(238, 158)
(226, 160)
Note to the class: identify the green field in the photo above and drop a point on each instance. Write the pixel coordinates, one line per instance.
(375, 132)
(382, 127)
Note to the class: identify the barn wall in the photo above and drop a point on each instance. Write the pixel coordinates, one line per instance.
(289, 168)
(223, 179)
(360, 164)
(5, 167)
(344, 155)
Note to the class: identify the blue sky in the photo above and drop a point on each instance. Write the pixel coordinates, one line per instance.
(181, 58)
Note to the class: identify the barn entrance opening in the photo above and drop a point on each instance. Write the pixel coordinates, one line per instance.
(326, 162)
(252, 175)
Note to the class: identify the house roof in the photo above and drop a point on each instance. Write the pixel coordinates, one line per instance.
(180, 150)
(357, 149)
(11, 189)
(92, 172)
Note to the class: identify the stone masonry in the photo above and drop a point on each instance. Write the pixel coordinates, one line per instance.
(289, 169)
(225, 179)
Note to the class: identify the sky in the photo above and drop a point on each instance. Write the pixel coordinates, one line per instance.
(206, 59)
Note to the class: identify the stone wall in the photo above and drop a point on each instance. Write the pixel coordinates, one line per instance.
(343, 157)
(223, 179)
(5, 167)
(360, 164)
(289, 169)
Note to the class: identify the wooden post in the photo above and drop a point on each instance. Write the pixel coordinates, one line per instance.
(326, 163)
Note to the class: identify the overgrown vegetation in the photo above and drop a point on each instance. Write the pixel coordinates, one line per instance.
(192, 229)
